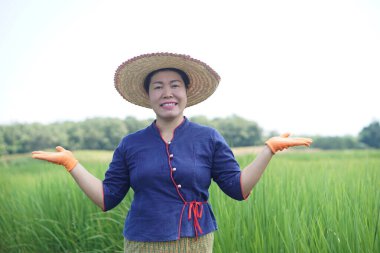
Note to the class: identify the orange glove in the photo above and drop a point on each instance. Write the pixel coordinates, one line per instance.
(62, 157)
(283, 142)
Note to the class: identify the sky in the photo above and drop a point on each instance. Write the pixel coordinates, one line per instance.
(305, 67)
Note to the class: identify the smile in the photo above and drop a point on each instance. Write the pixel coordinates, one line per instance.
(169, 104)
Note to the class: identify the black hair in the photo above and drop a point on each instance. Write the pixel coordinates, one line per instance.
(183, 75)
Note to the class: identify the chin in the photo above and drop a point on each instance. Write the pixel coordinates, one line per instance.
(170, 116)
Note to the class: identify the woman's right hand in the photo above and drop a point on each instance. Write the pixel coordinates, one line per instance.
(62, 157)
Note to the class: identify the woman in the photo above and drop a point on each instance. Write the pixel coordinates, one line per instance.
(171, 163)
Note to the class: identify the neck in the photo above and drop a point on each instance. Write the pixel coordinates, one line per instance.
(167, 127)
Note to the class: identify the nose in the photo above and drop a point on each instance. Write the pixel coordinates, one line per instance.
(167, 92)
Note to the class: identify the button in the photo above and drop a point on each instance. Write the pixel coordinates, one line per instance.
(171, 155)
(169, 142)
(179, 186)
(174, 169)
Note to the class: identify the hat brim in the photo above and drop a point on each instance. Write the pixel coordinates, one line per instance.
(130, 76)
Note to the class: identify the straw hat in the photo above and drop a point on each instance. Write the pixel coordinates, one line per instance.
(130, 76)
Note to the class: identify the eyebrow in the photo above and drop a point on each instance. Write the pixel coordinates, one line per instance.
(172, 81)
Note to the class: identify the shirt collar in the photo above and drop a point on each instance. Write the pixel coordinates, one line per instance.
(178, 130)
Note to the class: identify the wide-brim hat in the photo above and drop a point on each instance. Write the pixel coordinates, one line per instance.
(130, 76)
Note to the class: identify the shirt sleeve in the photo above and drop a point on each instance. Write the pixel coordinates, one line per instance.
(226, 170)
(116, 182)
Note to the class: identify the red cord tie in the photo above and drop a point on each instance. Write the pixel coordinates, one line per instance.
(194, 208)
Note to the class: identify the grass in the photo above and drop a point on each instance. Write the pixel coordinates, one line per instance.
(305, 202)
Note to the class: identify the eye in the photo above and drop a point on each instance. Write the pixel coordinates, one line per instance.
(176, 85)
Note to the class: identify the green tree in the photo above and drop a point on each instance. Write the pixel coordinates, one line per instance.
(43, 136)
(336, 142)
(202, 120)
(2, 143)
(370, 135)
(236, 130)
(134, 125)
(14, 138)
(23, 138)
(75, 135)
(102, 133)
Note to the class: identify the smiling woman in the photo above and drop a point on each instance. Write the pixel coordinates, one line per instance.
(170, 164)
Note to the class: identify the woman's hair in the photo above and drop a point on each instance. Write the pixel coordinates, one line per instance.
(183, 75)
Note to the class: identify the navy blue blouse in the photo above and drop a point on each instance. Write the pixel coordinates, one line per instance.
(170, 181)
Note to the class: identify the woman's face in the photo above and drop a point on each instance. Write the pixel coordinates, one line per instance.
(167, 95)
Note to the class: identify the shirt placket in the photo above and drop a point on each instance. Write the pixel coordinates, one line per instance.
(195, 207)
(173, 170)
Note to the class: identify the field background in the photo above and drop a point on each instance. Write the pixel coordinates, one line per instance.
(307, 201)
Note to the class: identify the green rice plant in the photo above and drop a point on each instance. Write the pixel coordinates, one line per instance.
(305, 202)
(43, 210)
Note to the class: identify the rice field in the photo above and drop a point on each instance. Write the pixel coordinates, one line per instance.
(305, 202)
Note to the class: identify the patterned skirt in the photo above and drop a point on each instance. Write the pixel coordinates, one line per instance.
(203, 244)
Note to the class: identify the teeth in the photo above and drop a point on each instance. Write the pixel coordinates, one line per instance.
(169, 104)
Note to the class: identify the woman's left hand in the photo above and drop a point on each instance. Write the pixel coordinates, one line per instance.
(279, 143)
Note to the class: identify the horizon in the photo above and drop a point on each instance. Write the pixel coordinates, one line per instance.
(265, 131)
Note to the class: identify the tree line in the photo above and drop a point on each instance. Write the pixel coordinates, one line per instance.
(106, 133)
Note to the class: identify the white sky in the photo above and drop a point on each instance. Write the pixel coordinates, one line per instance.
(308, 67)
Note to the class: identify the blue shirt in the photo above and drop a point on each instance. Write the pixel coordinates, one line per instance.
(170, 181)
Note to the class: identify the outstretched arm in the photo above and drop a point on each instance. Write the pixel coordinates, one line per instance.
(252, 173)
(91, 186)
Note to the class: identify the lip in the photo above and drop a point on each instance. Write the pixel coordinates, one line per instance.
(169, 103)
